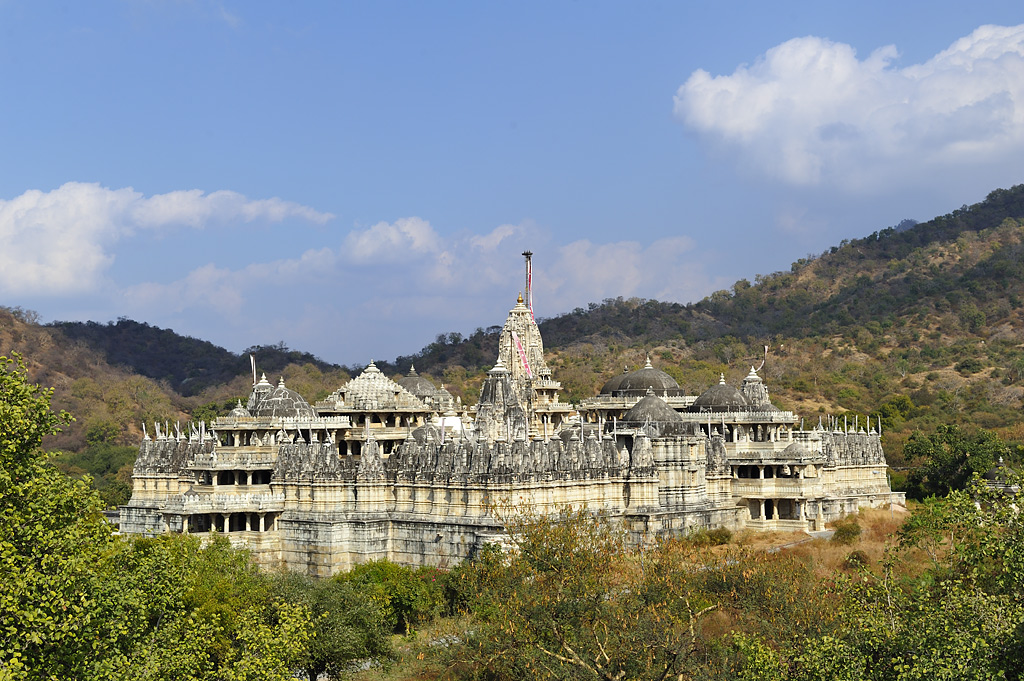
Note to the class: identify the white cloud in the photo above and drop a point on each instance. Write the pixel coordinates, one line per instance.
(228, 291)
(585, 272)
(392, 242)
(61, 242)
(810, 113)
(377, 309)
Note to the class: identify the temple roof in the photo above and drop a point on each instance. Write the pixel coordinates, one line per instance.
(372, 390)
(721, 397)
(281, 402)
(647, 378)
(654, 412)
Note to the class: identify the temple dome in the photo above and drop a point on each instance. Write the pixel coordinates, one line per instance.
(371, 390)
(647, 378)
(661, 419)
(1000, 473)
(721, 397)
(239, 411)
(797, 450)
(282, 402)
(613, 383)
(417, 385)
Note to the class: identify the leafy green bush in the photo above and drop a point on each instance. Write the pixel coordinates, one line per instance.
(847, 532)
(407, 597)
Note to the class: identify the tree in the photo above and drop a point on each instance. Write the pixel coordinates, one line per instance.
(571, 601)
(80, 603)
(951, 456)
(52, 535)
(349, 624)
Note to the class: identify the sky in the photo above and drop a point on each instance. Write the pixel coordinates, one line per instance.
(355, 178)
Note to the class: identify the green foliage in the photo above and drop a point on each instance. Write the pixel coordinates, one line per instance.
(950, 456)
(101, 432)
(572, 600)
(109, 466)
(211, 410)
(348, 622)
(188, 364)
(847, 531)
(80, 603)
(714, 537)
(407, 597)
(856, 559)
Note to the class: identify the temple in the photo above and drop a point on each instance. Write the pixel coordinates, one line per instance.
(402, 470)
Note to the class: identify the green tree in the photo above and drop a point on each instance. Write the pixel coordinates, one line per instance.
(407, 597)
(79, 603)
(349, 625)
(52, 536)
(571, 601)
(950, 457)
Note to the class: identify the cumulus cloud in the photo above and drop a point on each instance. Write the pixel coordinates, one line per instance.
(471, 282)
(401, 240)
(234, 292)
(809, 112)
(61, 242)
(585, 271)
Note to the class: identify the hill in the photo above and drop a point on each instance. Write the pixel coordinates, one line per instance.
(919, 323)
(188, 365)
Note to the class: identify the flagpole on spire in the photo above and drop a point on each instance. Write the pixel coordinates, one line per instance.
(529, 281)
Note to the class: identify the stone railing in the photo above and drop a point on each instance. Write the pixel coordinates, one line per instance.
(229, 457)
(776, 488)
(226, 503)
(286, 422)
(753, 452)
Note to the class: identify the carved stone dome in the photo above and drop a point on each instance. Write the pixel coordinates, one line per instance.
(372, 390)
(1000, 473)
(647, 378)
(239, 411)
(613, 383)
(281, 402)
(721, 397)
(654, 413)
(417, 385)
(797, 450)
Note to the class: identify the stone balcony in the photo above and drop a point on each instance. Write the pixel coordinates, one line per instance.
(228, 457)
(777, 488)
(201, 502)
(746, 452)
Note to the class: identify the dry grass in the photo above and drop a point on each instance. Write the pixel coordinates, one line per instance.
(417, 656)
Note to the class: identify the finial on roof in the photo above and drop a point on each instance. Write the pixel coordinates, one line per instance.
(263, 380)
(721, 379)
(520, 301)
(648, 365)
(412, 369)
(280, 382)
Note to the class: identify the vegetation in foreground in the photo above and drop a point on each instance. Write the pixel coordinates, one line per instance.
(940, 599)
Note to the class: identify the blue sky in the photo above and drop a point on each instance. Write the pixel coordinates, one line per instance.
(355, 178)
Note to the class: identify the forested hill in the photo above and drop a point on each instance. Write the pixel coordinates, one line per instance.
(964, 267)
(961, 271)
(967, 263)
(188, 365)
